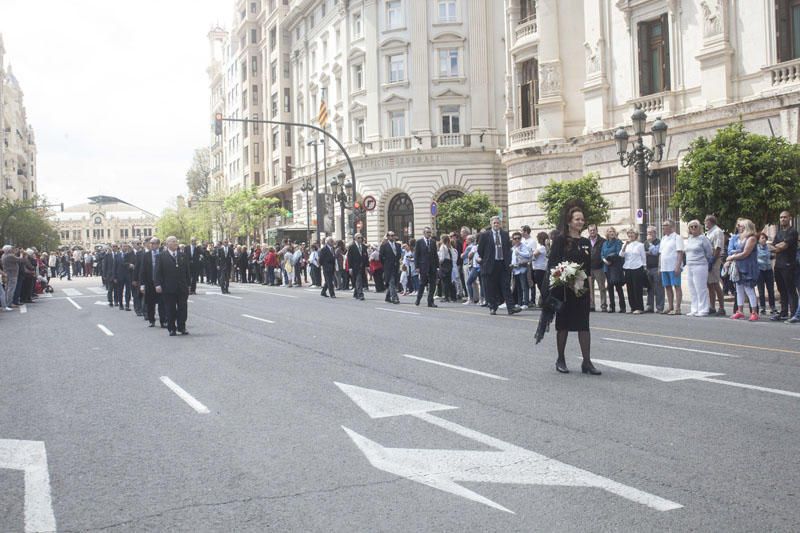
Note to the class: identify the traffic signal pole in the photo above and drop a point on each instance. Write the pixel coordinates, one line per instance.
(219, 119)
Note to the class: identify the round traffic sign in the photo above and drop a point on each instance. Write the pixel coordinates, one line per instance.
(370, 203)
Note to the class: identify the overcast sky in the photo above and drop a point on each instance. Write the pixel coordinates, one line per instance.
(117, 92)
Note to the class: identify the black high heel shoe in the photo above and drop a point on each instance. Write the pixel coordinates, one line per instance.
(590, 369)
(561, 367)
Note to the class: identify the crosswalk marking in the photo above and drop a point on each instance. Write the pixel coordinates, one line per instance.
(98, 290)
(71, 292)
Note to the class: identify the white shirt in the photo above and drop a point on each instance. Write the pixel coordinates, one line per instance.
(717, 238)
(670, 246)
(540, 261)
(634, 255)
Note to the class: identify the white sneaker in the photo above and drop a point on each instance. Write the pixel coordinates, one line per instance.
(8, 308)
(523, 307)
(501, 306)
(467, 302)
(690, 314)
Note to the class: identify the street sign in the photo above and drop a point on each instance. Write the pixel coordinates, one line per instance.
(640, 216)
(443, 469)
(434, 209)
(370, 203)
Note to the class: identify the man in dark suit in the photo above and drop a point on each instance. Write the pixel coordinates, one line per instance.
(426, 264)
(147, 282)
(327, 262)
(224, 258)
(494, 250)
(357, 261)
(195, 263)
(123, 272)
(137, 271)
(109, 273)
(390, 255)
(596, 241)
(172, 280)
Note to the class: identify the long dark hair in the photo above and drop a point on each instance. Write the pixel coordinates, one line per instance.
(570, 208)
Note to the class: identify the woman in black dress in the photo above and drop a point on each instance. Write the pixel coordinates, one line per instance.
(574, 314)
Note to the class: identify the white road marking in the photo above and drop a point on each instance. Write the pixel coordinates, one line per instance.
(185, 396)
(72, 292)
(98, 290)
(443, 469)
(31, 457)
(259, 319)
(226, 295)
(100, 303)
(73, 302)
(677, 348)
(278, 294)
(454, 367)
(668, 375)
(23, 309)
(397, 311)
(105, 330)
(190, 301)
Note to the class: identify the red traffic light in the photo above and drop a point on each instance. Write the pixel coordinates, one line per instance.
(356, 205)
(218, 124)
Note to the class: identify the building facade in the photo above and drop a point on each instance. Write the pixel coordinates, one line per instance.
(18, 146)
(91, 225)
(698, 64)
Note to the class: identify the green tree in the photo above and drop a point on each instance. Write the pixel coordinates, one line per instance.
(175, 222)
(251, 211)
(197, 177)
(29, 226)
(557, 193)
(738, 174)
(472, 210)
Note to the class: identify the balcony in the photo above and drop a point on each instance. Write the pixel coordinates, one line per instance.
(526, 30)
(395, 144)
(450, 140)
(524, 136)
(786, 74)
(652, 103)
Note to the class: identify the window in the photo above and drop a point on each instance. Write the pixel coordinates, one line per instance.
(311, 21)
(244, 70)
(397, 120)
(323, 94)
(358, 129)
(313, 61)
(275, 171)
(286, 67)
(257, 179)
(273, 71)
(255, 124)
(273, 37)
(276, 136)
(654, 56)
(447, 10)
(253, 7)
(658, 193)
(451, 118)
(324, 51)
(287, 100)
(358, 77)
(338, 89)
(323, 9)
(256, 155)
(397, 67)
(288, 137)
(528, 87)
(788, 29)
(394, 14)
(254, 36)
(448, 63)
(274, 107)
(246, 155)
(244, 99)
(255, 94)
(357, 28)
(288, 160)
(254, 65)
(527, 11)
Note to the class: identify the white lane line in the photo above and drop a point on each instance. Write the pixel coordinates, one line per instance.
(23, 309)
(226, 295)
(278, 294)
(31, 457)
(73, 302)
(259, 319)
(751, 387)
(105, 330)
(71, 292)
(671, 347)
(454, 367)
(185, 396)
(397, 311)
(98, 290)
(100, 303)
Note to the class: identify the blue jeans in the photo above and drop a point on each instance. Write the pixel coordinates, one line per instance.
(474, 274)
(521, 290)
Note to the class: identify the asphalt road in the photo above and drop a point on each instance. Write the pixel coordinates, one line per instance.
(281, 447)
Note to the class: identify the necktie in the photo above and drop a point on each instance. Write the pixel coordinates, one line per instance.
(428, 243)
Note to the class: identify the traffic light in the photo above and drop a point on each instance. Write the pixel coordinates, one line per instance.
(357, 206)
(218, 124)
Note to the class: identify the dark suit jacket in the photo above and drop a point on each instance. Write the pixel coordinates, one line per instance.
(390, 261)
(123, 269)
(109, 265)
(194, 258)
(137, 266)
(327, 260)
(356, 261)
(172, 274)
(146, 275)
(486, 251)
(426, 259)
(597, 262)
(224, 261)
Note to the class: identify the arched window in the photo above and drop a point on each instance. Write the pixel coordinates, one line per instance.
(400, 218)
(449, 195)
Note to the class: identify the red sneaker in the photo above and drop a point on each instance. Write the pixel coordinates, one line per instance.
(753, 317)
(737, 316)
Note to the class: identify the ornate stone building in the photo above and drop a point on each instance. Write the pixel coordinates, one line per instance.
(697, 64)
(17, 144)
(90, 225)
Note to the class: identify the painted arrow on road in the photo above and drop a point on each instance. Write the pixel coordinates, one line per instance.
(443, 469)
(668, 375)
(31, 457)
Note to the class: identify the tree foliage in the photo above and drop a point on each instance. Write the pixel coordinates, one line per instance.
(29, 226)
(738, 175)
(587, 188)
(177, 222)
(472, 210)
(250, 211)
(198, 175)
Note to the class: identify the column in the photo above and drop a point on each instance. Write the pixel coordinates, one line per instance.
(551, 103)
(372, 72)
(419, 59)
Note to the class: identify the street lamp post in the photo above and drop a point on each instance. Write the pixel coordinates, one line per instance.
(641, 156)
(307, 187)
(320, 221)
(340, 188)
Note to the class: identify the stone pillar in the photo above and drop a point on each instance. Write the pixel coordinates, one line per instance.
(480, 31)
(551, 103)
(716, 55)
(596, 87)
(372, 72)
(419, 59)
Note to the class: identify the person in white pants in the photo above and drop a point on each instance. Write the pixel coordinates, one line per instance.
(698, 257)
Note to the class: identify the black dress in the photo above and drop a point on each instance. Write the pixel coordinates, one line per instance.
(574, 315)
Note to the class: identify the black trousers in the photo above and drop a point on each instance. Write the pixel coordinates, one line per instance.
(358, 282)
(176, 307)
(329, 282)
(498, 288)
(123, 286)
(111, 290)
(786, 286)
(224, 279)
(635, 280)
(151, 300)
(193, 286)
(426, 279)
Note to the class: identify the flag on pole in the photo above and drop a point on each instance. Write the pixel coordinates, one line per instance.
(322, 117)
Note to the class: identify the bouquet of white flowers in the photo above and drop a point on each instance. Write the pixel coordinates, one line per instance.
(571, 275)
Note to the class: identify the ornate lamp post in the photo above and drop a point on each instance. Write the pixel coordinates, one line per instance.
(317, 210)
(641, 156)
(307, 187)
(340, 189)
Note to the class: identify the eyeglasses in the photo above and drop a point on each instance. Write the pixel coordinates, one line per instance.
(515, 238)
